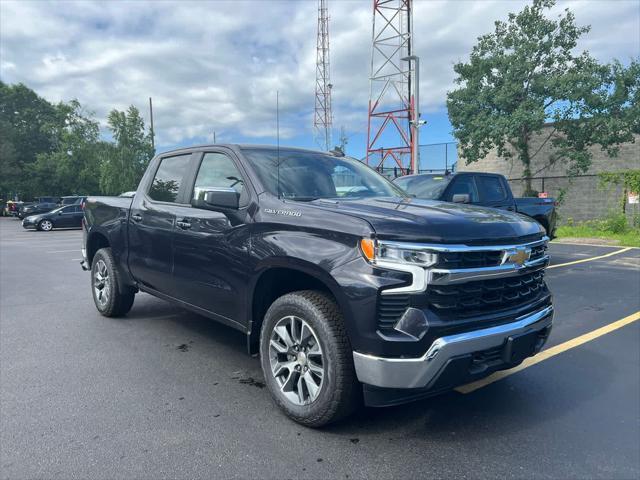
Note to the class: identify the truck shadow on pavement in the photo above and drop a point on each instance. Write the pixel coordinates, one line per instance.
(530, 398)
(512, 405)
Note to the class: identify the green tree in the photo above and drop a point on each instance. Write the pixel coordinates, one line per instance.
(124, 163)
(27, 127)
(526, 75)
(74, 165)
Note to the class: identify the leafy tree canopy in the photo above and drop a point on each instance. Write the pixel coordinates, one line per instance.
(27, 122)
(125, 163)
(527, 74)
(48, 149)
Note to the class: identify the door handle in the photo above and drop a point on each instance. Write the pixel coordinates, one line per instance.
(183, 225)
(136, 217)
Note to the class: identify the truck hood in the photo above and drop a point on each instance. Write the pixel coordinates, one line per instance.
(419, 220)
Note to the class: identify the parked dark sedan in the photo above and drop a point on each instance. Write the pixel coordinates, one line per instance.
(69, 216)
(36, 208)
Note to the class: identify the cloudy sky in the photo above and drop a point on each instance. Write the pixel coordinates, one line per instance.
(216, 65)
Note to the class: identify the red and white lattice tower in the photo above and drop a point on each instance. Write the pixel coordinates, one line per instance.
(391, 139)
(323, 117)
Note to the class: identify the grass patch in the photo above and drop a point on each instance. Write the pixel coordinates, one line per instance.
(614, 229)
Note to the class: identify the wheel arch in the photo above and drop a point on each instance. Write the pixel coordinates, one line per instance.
(95, 242)
(280, 278)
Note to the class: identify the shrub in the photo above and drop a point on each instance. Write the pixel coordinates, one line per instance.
(615, 223)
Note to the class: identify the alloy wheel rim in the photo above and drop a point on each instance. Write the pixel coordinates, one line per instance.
(46, 225)
(101, 283)
(296, 360)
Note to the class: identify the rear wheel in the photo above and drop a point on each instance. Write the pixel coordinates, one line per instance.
(109, 296)
(45, 225)
(307, 359)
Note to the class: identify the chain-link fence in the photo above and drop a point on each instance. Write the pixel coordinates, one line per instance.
(434, 158)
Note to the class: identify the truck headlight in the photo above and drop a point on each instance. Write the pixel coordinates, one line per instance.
(397, 252)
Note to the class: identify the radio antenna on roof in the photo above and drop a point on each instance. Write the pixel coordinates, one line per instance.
(278, 140)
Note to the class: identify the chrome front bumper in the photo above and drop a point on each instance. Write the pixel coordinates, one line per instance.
(422, 372)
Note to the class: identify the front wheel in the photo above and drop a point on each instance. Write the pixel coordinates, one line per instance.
(109, 296)
(45, 225)
(307, 359)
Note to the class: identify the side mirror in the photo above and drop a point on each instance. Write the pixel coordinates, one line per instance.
(461, 198)
(215, 198)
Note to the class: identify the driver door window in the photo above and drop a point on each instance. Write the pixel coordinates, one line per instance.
(463, 185)
(218, 171)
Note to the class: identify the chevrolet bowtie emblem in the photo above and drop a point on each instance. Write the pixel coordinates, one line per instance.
(517, 256)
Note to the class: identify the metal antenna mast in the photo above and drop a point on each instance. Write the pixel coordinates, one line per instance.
(322, 117)
(392, 118)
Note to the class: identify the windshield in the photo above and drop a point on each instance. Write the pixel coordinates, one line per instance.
(429, 187)
(306, 176)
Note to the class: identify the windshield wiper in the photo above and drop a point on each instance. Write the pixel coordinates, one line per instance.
(302, 199)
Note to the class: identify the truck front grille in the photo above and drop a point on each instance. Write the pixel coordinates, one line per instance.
(457, 260)
(480, 259)
(538, 251)
(475, 298)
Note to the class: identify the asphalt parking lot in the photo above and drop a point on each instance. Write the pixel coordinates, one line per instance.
(166, 393)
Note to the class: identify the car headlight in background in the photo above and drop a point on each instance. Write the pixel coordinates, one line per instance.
(397, 252)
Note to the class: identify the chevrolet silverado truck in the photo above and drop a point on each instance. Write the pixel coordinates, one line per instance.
(348, 289)
(483, 189)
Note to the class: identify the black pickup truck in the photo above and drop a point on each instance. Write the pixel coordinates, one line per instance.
(347, 288)
(484, 189)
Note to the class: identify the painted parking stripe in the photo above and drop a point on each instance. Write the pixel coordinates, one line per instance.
(554, 242)
(65, 251)
(590, 259)
(551, 352)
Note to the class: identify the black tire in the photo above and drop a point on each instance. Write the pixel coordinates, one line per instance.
(119, 300)
(340, 392)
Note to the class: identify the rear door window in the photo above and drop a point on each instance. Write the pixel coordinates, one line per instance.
(491, 189)
(168, 179)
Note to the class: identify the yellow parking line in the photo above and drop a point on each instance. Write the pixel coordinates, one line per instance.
(551, 352)
(556, 242)
(590, 259)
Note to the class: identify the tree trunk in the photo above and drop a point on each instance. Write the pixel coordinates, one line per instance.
(523, 151)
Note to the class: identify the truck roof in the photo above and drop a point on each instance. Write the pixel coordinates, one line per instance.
(242, 146)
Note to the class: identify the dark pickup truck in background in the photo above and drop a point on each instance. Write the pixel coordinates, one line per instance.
(344, 285)
(484, 189)
(35, 208)
(47, 204)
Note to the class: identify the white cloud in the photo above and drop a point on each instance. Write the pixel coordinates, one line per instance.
(217, 64)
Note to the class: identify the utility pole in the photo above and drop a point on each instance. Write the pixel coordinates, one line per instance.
(323, 118)
(415, 112)
(153, 133)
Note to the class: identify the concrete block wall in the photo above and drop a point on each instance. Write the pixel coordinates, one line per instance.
(584, 198)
